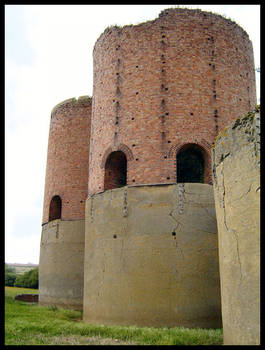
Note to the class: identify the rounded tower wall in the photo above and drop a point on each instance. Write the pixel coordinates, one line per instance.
(61, 265)
(177, 79)
(151, 257)
(68, 158)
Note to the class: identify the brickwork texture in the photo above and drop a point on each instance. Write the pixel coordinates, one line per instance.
(176, 80)
(68, 158)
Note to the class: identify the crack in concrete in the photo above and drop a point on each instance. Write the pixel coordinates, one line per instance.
(175, 229)
(177, 245)
(244, 194)
(122, 263)
(223, 199)
(57, 229)
(181, 252)
(178, 223)
(238, 255)
(125, 210)
(101, 282)
(231, 230)
(214, 167)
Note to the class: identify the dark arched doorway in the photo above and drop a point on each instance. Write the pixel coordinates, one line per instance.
(55, 208)
(115, 170)
(190, 164)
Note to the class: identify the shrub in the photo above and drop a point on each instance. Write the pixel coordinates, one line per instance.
(10, 278)
(29, 279)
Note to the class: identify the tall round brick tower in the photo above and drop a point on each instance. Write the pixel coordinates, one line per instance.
(162, 91)
(163, 85)
(61, 265)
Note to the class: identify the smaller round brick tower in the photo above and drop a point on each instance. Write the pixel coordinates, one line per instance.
(63, 226)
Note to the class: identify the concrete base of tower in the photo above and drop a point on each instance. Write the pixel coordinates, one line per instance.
(61, 265)
(151, 257)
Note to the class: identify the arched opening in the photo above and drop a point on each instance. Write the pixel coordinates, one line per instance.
(190, 164)
(55, 208)
(115, 170)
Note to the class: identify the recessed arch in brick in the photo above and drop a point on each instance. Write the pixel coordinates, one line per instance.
(121, 147)
(190, 164)
(115, 170)
(203, 146)
(105, 156)
(125, 149)
(177, 146)
(55, 209)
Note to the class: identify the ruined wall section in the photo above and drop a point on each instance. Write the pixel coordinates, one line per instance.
(68, 157)
(236, 170)
(151, 257)
(158, 85)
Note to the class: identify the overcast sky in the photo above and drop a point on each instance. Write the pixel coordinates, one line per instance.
(48, 58)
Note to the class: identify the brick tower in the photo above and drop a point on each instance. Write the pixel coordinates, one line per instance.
(63, 226)
(162, 91)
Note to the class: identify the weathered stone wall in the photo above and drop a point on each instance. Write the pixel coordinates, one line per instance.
(61, 265)
(236, 170)
(159, 85)
(151, 257)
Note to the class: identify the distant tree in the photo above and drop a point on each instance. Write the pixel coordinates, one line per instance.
(29, 279)
(9, 268)
(10, 279)
(10, 275)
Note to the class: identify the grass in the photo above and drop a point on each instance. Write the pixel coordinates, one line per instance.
(30, 324)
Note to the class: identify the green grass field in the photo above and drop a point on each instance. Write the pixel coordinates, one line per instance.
(30, 324)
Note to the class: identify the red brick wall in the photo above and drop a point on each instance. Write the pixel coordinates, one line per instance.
(159, 85)
(68, 158)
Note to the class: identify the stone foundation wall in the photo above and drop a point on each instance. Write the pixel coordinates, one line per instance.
(61, 266)
(151, 257)
(236, 170)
